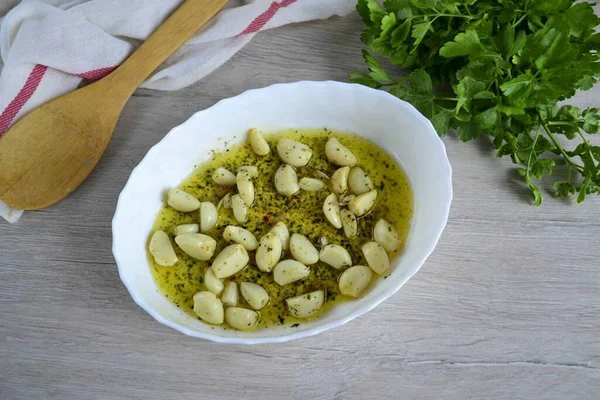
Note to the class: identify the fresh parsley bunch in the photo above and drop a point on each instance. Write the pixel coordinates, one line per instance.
(496, 68)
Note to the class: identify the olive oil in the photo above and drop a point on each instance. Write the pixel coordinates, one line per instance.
(302, 213)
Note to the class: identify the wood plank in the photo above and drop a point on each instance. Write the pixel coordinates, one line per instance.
(507, 307)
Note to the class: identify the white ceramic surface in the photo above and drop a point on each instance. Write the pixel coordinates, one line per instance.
(391, 123)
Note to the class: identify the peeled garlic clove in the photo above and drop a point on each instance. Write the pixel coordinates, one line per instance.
(324, 241)
(286, 180)
(354, 280)
(386, 235)
(245, 187)
(241, 236)
(303, 250)
(335, 255)
(254, 294)
(162, 250)
(208, 216)
(241, 318)
(223, 176)
(182, 201)
(240, 209)
(321, 174)
(346, 199)
(230, 294)
(211, 282)
(230, 261)
(197, 245)
(363, 203)
(186, 228)
(349, 224)
(331, 209)
(293, 152)
(339, 180)
(250, 170)
(311, 184)
(288, 271)
(376, 257)
(339, 154)
(225, 201)
(268, 252)
(305, 305)
(282, 232)
(258, 143)
(359, 182)
(208, 307)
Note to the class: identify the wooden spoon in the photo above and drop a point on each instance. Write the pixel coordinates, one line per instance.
(50, 151)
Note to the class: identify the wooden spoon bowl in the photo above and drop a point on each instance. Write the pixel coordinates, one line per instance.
(49, 152)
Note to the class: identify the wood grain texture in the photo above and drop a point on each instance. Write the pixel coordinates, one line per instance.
(507, 307)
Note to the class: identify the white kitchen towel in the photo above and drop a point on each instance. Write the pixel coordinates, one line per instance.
(49, 46)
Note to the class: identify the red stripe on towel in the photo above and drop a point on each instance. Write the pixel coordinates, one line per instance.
(97, 74)
(266, 16)
(13, 108)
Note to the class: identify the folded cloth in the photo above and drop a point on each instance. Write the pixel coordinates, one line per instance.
(49, 46)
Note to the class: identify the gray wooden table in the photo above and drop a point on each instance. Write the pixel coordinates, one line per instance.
(507, 307)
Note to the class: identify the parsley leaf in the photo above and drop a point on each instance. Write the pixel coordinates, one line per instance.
(464, 44)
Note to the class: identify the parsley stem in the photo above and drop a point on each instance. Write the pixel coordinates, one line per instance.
(554, 123)
(519, 21)
(442, 15)
(586, 142)
(467, 10)
(446, 98)
(568, 159)
(537, 135)
(583, 137)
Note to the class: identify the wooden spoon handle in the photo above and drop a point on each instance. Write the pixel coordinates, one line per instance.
(163, 42)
